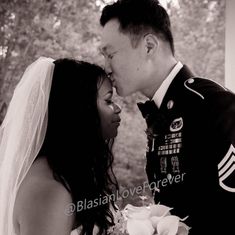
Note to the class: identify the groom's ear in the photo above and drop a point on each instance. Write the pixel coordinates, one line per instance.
(151, 43)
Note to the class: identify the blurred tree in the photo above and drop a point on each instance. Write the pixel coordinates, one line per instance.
(33, 28)
(199, 33)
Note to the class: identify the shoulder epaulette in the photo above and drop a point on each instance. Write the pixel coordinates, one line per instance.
(199, 86)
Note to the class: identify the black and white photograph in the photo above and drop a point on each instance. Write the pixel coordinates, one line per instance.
(117, 117)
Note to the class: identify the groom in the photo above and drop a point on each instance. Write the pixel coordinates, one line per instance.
(190, 120)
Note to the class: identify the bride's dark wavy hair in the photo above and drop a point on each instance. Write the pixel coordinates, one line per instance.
(76, 152)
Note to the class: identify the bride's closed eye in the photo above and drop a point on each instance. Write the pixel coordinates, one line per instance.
(109, 101)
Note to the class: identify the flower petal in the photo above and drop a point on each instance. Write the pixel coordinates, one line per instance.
(135, 212)
(154, 220)
(183, 229)
(139, 227)
(168, 225)
(159, 210)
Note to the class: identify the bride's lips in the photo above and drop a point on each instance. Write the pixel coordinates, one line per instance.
(117, 121)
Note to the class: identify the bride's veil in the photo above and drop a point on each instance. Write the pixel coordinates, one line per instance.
(22, 133)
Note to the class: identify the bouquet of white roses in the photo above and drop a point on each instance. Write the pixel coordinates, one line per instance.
(148, 220)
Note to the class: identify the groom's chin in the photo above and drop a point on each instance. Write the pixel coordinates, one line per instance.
(121, 92)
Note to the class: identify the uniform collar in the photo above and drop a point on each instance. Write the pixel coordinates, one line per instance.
(160, 93)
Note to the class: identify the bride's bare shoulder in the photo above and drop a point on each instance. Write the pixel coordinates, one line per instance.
(42, 200)
(40, 185)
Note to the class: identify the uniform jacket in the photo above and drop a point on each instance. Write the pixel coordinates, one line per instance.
(191, 153)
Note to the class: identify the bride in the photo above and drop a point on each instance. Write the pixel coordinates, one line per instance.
(55, 151)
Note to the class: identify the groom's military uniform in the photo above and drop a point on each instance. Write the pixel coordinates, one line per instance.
(191, 152)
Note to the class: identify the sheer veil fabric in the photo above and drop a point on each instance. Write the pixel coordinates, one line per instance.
(22, 134)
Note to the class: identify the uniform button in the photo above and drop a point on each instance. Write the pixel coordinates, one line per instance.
(169, 176)
(170, 104)
(190, 80)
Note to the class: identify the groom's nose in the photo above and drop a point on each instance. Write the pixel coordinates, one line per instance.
(107, 68)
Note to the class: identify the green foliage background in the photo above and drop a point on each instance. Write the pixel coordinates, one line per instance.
(57, 28)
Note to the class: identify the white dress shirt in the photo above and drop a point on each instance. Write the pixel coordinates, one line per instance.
(161, 91)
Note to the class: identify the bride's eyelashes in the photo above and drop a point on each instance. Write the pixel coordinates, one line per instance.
(109, 102)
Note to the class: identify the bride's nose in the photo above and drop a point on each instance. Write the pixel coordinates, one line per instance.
(117, 108)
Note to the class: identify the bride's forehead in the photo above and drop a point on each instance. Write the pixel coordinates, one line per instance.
(105, 87)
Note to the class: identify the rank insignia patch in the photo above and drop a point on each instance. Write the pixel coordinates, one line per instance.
(226, 169)
(177, 124)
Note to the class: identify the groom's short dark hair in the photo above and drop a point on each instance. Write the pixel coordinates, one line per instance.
(138, 17)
